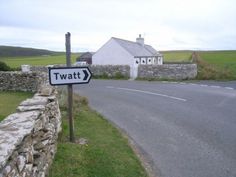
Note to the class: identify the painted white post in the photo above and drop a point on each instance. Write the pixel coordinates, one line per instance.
(25, 68)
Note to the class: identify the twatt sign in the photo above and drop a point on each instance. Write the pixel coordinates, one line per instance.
(69, 75)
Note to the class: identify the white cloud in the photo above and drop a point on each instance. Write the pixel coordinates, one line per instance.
(167, 24)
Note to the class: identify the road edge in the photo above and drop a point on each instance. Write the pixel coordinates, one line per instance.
(144, 158)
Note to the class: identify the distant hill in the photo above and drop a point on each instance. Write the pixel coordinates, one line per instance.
(9, 51)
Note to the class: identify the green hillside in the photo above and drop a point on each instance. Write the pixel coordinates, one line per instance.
(177, 55)
(17, 56)
(15, 62)
(220, 58)
(9, 51)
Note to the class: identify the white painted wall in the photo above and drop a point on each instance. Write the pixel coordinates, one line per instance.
(143, 61)
(160, 60)
(112, 53)
(150, 60)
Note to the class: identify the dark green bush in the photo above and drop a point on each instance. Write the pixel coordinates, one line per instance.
(4, 66)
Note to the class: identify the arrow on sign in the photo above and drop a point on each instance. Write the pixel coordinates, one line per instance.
(86, 74)
(69, 75)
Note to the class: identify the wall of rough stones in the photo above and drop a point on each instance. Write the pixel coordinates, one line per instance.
(168, 71)
(38, 68)
(110, 71)
(44, 68)
(28, 138)
(20, 81)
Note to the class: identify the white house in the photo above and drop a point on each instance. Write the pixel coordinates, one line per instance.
(122, 52)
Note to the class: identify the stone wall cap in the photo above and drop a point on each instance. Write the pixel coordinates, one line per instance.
(45, 91)
(36, 100)
(12, 131)
(30, 108)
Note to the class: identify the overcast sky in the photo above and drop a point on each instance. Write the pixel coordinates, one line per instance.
(165, 24)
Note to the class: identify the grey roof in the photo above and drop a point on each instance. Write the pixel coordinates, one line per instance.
(86, 55)
(136, 49)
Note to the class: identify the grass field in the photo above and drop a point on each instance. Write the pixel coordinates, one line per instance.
(10, 100)
(15, 62)
(177, 56)
(224, 60)
(107, 153)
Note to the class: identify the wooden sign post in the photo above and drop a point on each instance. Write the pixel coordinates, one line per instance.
(68, 76)
(70, 90)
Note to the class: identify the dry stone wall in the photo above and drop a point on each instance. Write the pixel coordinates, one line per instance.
(110, 71)
(21, 81)
(168, 71)
(44, 68)
(38, 68)
(28, 138)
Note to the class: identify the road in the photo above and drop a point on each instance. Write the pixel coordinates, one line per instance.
(184, 129)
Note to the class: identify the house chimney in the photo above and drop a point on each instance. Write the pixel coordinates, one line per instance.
(140, 40)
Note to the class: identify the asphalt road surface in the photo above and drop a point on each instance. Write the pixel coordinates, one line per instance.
(185, 129)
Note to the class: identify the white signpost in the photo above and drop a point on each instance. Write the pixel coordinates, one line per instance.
(69, 75)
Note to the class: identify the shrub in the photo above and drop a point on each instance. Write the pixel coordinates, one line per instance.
(119, 75)
(4, 66)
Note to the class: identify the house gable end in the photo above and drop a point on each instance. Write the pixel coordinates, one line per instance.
(112, 53)
(125, 48)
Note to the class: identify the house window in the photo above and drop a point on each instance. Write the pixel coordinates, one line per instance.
(137, 61)
(143, 61)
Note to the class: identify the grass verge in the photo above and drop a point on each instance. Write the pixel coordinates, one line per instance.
(107, 153)
(10, 100)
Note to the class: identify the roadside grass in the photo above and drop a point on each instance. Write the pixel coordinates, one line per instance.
(9, 101)
(107, 153)
(16, 62)
(177, 56)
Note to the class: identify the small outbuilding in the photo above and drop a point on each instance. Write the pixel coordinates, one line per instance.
(85, 58)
